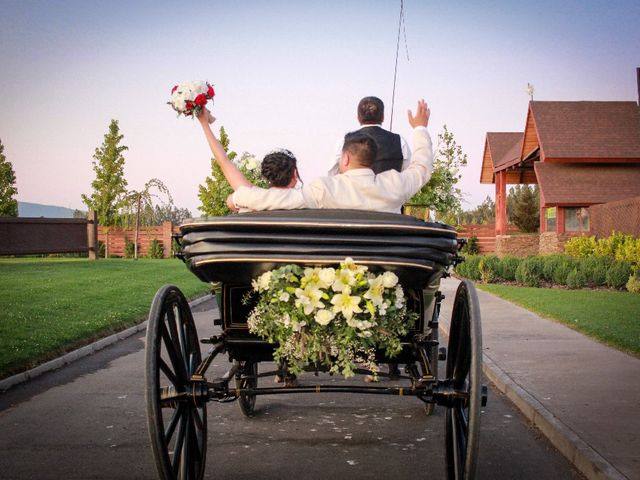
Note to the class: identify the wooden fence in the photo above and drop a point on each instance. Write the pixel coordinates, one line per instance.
(486, 235)
(115, 239)
(33, 236)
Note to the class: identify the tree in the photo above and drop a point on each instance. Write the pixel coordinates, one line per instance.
(109, 186)
(482, 214)
(136, 201)
(523, 207)
(440, 193)
(168, 213)
(8, 204)
(213, 194)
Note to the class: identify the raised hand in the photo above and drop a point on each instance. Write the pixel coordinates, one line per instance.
(422, 115)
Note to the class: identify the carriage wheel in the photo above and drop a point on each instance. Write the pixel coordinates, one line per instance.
(176, 408)
(247, 377)
(464, 371)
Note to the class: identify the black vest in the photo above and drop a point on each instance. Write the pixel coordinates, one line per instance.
(389, 149)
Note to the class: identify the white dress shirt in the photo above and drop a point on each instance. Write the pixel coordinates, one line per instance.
(359, 189)
(406, 151)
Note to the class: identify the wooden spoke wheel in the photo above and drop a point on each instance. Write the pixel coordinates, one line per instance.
(176, 403)
(464, 372)
(247, 377)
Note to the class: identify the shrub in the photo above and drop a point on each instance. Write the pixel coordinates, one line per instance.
(618, 274)
(472, 247)
(550, 264)
(155, 249)
(576, 279)
(508, 266)
(633, 284)
(580, 246)
(489, 268)
(101, 249)
(469, 268)
(595, 269)
(176, 248)
(129, 248)
(529, 272)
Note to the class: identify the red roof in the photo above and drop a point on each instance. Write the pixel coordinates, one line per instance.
(586, 184)
(587, 130)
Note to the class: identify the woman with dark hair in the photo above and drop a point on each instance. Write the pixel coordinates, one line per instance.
(280, 169)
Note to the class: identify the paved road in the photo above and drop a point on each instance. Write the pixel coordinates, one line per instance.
(87, 421)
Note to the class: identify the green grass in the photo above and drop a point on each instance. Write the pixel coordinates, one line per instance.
(50, 306)
(611, 317)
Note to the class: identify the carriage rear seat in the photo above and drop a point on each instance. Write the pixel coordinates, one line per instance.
(237, 248)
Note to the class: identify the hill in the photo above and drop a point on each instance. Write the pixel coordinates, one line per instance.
(27, 209)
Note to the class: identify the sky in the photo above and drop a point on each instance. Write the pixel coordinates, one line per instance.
(287, 74)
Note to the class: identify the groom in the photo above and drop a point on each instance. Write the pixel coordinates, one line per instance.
(355, 187)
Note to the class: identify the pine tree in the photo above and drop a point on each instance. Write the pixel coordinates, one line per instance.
(523, 207)
(109, 186)
(8, 204)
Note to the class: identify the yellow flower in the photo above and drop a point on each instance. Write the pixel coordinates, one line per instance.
(323, 317)
(350, 265)
(309, 298)
(344, 279)
(346, 303)
(376, 290)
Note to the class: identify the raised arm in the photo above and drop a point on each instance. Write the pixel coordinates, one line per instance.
(230, 170)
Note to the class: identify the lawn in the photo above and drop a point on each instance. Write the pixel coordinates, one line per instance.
(611, 317)
(50, 306)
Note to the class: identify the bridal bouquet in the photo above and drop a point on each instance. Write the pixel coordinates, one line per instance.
(332, 316)
(188, 98)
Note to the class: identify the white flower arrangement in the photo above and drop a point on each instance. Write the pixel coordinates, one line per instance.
(188, 98)
(333, 316)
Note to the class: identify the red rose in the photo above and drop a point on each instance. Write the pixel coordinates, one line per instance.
(174, 89)
(210, 92)
(189, 105)
(200, 100)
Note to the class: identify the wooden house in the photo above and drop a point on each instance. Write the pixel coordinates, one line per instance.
(579, 153)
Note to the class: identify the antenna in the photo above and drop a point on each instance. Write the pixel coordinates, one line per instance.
(395, 72)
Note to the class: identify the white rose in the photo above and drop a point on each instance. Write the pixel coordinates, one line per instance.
(327, 275)
(323, 317)
(251, 163)
(389, 279)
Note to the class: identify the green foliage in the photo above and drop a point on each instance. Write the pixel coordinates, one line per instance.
(101, 248)
(8, 190)
(617, 245)
(618, 274)
(581, 246)
(472, 247)
(530, 271)
(129, 248)
(155, 249)
(489, 268)
(595, 269)
(633, 284)
(508, 267)
(576, 279)
(482, 214)
(440, 193)
(176, 248)
(213, 194)
(523, 207)
(109, 186)
(556, 268)
(469, 268)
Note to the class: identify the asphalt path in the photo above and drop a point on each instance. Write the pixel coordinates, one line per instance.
(88, 421)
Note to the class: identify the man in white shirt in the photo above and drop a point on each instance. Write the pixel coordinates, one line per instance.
(357, 186)
(393, 150)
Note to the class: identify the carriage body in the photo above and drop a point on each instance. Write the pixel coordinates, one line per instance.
(234, 250)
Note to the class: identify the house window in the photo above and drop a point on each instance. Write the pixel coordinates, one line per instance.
(550, 219)
(576, 219)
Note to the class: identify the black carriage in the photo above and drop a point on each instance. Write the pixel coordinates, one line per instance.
(233, 250)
